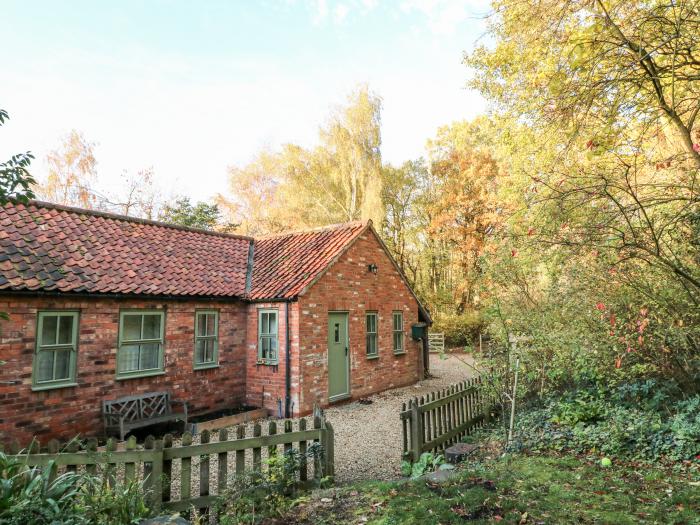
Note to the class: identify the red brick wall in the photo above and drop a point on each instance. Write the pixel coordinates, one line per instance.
(65, 412)
(349, 286)
(266, 383)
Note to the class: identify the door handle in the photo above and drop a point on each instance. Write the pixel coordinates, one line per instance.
(346, 350)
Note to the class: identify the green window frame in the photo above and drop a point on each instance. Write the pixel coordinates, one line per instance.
(397, 320)
(371, 334)
(140, 352)
(206, 339)
(56, 353)
(268, 343)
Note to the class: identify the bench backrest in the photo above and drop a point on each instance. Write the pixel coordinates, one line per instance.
(136, 408)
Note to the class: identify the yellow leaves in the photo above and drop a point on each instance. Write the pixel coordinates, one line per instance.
(337, 181)
(71, 173)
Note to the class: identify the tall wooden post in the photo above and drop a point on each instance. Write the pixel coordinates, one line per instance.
(416, 431)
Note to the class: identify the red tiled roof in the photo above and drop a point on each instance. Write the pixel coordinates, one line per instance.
(284, 265)
(55, 248)
(46, 247)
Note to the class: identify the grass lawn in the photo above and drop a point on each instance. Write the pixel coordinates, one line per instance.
(517, 489)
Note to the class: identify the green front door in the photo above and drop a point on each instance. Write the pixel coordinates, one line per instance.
(338, 358)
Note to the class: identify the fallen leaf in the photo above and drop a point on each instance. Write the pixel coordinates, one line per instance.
(523, 518)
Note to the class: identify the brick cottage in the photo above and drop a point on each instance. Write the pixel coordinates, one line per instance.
(102, 306)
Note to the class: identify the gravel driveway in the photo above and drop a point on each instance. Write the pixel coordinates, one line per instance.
(369, 439)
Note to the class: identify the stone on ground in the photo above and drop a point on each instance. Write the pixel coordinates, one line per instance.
(459, 452)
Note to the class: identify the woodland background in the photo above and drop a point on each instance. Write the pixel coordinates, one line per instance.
(569, 214)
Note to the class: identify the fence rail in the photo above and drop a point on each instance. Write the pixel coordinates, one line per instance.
(441, 418)
(159, 462)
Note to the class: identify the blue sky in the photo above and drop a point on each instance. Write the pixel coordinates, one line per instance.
(190, 88)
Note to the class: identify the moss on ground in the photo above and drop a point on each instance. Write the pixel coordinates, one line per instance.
(516, 489)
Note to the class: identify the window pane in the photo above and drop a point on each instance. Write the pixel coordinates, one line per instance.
(65, 329)
(273, 348)
(371, 323)
(265, 347)
(201, 324)
(206, 324)
(129, 358)
(209, 350)
(371, 344)
(49, 326)
(204, 351)
(149, 356)
(199, 351)
(211, 324)
(44, 366)
(151, 326)
(131, 327)
(273, 323)
(62, 368)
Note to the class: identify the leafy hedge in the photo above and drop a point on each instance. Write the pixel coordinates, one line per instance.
(29, 496)
(616, 424)
(460, 329)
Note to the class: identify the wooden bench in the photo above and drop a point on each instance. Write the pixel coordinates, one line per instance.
(130, 412)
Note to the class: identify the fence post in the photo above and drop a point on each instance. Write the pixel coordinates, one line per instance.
(328, 437)
(416, 431)
(317, 461)
(167, 468)
(153, 472)
(157, 474)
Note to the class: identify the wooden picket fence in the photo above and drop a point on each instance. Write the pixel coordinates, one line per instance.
(166, 469)
(433, 422)
(436, 342)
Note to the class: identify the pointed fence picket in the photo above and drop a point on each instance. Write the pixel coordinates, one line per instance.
(156, 462)
(439, 419)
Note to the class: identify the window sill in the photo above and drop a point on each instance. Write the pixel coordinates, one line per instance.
(371, 357)
(207, 366)
(41, 388)
(402, 352)
(267, 363)
(139, 375)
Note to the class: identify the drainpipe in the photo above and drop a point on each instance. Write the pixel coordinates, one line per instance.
(287, 367)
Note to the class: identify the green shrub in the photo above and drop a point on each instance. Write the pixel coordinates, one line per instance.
(29, 495)
(460, 329)
(428, 462)
(582, 407)
(588, 424)
(259, 494)
(99, 503)
(32, 496)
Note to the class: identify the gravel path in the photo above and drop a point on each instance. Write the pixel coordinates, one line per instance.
(369, 438)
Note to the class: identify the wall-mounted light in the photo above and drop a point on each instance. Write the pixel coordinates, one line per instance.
(372, 268)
